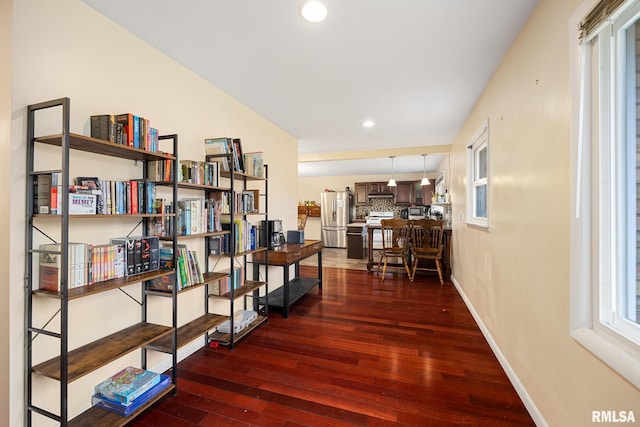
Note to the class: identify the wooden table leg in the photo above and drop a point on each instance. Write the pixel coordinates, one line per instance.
(370, 249)
(285, 297)
(320, 269)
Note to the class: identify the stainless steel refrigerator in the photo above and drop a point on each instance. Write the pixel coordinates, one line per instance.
(336, 214)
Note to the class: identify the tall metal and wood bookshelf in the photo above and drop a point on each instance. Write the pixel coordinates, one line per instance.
(70, 364)
(250, 289)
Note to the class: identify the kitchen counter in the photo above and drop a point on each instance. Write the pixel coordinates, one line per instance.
(356, 240)
(357, 224)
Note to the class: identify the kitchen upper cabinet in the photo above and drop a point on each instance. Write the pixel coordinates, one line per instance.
(362, 194)
(378, 188)
(312, 211)
(422, 195)
(404, 193)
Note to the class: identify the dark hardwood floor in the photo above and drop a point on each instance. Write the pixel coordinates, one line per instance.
(362, 352)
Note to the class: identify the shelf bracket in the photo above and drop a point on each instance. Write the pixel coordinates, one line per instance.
(44, 234)
(46, 324)
(133, 298)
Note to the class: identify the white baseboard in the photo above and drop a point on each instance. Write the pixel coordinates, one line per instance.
(519, 387)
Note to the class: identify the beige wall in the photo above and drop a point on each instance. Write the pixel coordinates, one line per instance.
(5, 198)
(516, 275)
(64, 49)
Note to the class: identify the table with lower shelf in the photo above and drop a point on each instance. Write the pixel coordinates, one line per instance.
(285, 256)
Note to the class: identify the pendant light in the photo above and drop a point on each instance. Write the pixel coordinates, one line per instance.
(425, 180)
(392, 182)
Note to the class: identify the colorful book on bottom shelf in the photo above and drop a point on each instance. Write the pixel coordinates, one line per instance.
(127, 385)
(126, 410)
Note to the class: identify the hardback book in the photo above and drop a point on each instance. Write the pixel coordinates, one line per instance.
(42, 194)
(163, 284)
(129, 244)
(104, 127)
(56, 193)
(218, 147)
(127, 385)
(126, 120)
(253, 163)
(126, 410)
(237, 155)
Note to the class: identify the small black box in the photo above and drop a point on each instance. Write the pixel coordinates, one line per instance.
(295, 236)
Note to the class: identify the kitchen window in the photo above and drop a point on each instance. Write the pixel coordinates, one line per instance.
(478, 177)
(605, 262)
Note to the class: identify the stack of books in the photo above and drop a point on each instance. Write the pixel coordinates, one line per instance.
(129, 389)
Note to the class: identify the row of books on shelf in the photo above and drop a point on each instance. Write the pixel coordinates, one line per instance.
(89, 264)
(133, 197)
(126, 129)
(160, 170)
(90, 195)
(249, 163)
(246, 201)
(128, 390)
(246, 238)
(194, 216)
(189, 272)
(225, 284)
(201, 173)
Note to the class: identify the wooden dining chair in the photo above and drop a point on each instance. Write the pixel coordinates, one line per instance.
(395, 244)
(426, 246)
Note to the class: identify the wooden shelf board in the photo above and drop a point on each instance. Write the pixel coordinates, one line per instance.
(225, 339)
(191, 186)
(240, 175)
(213, 233)
(99, 146)
(107, 285)
(208, 278)
(249, 286)
(98, 353)
(99, 417)
(188, 332)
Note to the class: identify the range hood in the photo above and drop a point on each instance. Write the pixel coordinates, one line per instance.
(380, 195)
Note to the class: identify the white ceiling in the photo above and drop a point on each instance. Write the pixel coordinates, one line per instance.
(415, 67)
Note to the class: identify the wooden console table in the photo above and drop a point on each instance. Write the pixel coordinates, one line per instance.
(284, 256)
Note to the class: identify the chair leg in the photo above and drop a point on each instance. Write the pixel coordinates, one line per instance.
(406, 267)
(415, 267)
(384, 268)
(439, 271)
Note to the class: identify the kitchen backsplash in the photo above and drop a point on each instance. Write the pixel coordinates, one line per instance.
(378, 205)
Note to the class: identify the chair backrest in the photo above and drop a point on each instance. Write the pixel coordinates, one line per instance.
(427, 233)
(395, 233)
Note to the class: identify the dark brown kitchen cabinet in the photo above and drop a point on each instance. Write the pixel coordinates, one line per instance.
(376, 188)
(362, 194)
(404, 193)
(422, 195)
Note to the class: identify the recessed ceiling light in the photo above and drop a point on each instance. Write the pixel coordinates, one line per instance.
(313, 11)
(368, 123)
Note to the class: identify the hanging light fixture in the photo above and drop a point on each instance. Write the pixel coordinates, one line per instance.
(392, 182)
(425, 180)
